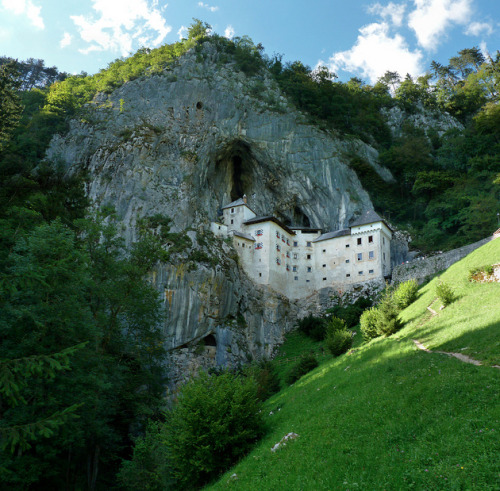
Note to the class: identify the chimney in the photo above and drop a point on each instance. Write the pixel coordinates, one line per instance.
(245, 198)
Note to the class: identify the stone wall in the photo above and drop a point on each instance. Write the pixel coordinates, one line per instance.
(421, 268)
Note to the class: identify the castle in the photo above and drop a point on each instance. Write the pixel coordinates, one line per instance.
(297, 261)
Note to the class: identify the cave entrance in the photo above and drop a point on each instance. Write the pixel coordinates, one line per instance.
(210, 340)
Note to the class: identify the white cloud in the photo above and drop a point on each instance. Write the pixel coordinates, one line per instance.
(66, 40)
(229, 32)
(375, 52)
(182, 32)
(477, 28)
(431, 18)
(25, 7)
(394, 11)
(208, 7)
(119, 24)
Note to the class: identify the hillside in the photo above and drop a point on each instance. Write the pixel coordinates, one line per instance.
(389, 416)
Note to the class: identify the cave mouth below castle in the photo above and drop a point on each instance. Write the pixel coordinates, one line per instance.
(297, 219)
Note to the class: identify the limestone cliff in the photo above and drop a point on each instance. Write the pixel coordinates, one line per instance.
(190, 140)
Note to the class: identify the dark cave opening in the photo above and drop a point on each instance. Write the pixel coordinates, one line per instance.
(237, 190)
(210, 340)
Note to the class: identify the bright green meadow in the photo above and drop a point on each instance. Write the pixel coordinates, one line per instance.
(388, 415)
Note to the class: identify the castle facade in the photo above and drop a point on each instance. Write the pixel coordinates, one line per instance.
(298, 261)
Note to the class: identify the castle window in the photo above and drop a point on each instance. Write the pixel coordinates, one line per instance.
(359, 240)
(288, 267)
(259, 232)
(347, 275)
(383, 240)
(232, 221)
(295, 278)
(370, 271)
(278, 247)
(371, 255)
(347, 246)
(232, 210)
(277, 235)
(242, 245)
(260, 275)
(308, 244)
(324, 250)
(287, 254)
(287, 242)
(295, 243)
(324, 279)
(384, 256)
(324, 265)
(294, 269)
(278, 261)
(309, 269)
(347, 261)
(307, 281)
(360, 272)
(370, 239)
(295, 256)
(360, 256)
(308, 256)
(259, 245)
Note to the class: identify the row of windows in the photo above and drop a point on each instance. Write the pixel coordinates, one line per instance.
(360, 273)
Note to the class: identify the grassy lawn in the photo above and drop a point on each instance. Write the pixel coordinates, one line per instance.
(389, 416)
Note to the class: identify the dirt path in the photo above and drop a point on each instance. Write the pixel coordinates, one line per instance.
(458, 356)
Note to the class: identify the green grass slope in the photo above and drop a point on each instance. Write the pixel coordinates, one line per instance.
(390, 416)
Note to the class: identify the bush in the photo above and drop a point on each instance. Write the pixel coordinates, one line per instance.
(369, 324)
(388, 321)
(351, 312)
(314, 327)
(268, 382)
(445, 293)
(405, 294)
(338, 341)
(335, 324)
(305, 365)
(215, 421)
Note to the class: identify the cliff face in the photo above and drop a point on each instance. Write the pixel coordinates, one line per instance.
(189, 141)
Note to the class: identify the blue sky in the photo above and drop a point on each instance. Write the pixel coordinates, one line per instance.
(357, 38)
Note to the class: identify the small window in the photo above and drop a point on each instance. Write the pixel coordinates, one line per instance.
(307, 281)
(347, 275)
(295, 256)
(232, 221)
(359, 240)
(308, 244)
(309, 269)
(324, 265)
(360, 272)
(383, 240)
(295, 278)
(259, 232)
(360, 256)
(370, 239)
(295, 243)
(371, 254)
(347, 246)
(308, 256)
(219, 227)
(294, 268)
(260, 275)
(384, 256)
(278, 247)
(370, 271)
(324, 250)
(242, 245)
(347, 261)
(232, 210)
(324, 279)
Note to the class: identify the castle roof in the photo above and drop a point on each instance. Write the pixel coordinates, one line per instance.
(333, 235)
(269, 218)
(367, 217)
(243, 235)
(238, 202)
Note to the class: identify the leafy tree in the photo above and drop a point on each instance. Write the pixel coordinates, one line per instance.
(10, 107)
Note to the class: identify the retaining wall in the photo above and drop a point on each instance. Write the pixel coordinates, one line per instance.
(420, 268)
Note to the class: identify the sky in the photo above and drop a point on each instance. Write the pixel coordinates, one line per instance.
(354, 38)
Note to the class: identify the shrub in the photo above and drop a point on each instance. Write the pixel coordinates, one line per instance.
(351, 312)
(369, 324)
(306, 364)
(314, 327)
(268, 382)
(214, 423)
(388, 321)
(335, 324)
(338, 341)
(445, 293)
(405, 294)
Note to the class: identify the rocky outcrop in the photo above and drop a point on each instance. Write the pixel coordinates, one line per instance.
(187, 142)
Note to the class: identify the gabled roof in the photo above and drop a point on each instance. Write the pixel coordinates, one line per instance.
(367, 217)
(243, 235)
(238, 202)
(333, 235)
(269, 218)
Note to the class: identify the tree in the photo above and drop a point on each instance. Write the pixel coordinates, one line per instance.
(10, 107)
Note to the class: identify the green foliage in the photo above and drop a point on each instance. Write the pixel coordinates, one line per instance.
(215, 422)
(10, 107)
(305, 365)
(445, 293)
(388, 315)
(405, 294)
(478, 273)
(350, 312)
(335, 324)
(338, 341)
(264, 374)
(314, 327)
(369, 323)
